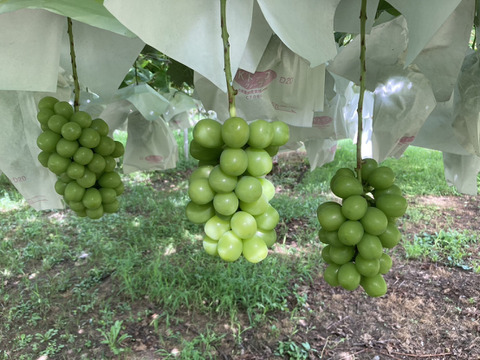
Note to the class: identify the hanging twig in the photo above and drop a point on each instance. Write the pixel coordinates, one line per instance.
(476, 24)
(226, 55)
(76, 101)
(135, 67)
(474, 41)
(363, 71)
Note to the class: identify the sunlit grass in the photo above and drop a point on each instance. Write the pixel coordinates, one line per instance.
(418, 171)
(10, 198)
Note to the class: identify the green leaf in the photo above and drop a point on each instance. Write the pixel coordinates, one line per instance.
(385, 6)
(179, 73)
(476, 19)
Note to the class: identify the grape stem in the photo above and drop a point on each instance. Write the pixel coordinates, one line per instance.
(76, 91)
(231, 92)
(363, 71)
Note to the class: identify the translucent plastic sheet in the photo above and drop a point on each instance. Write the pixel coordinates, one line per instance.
(150, 145)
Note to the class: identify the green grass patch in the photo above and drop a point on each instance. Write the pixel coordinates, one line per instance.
(452, 248)
(418, 171)
(209, 284)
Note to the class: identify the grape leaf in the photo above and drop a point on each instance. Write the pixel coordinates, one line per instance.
(179, 73)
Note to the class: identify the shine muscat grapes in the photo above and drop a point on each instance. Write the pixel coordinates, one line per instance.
(79, 151)
(228, 191)
(357, 232)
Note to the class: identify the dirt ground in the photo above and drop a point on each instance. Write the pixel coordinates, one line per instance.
(430, 311)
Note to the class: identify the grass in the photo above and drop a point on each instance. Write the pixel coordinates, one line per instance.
(74, 288)
(418, 172)
(452, 248)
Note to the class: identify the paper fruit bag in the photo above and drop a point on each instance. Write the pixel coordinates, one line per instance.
(460, 166)
(19, 151)
(180, 109)
(18, 145)
(284, 87)
(337, 120)
(461, 171)
(320, 152)
(150, 145)
(115, 115)
(467, 110)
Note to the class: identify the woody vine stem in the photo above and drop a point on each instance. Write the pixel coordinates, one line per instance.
(76, 101)
(363, 71)
(226, 55)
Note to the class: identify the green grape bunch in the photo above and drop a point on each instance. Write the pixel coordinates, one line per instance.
(79, 151)
(229, 193)
(357, 232)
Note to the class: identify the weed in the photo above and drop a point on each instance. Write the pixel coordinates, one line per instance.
(452, 248)
(291, 350)
(47, 336)
(199, 348)
(112, 338)
(22, 341)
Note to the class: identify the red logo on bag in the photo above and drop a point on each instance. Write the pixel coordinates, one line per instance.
(406, 140)
(156, 159)
(254, 81)
(322, 121)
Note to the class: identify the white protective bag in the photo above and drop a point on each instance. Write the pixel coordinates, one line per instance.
(284, 87)
(320, 152)
(336, 121)
(18, 146)
(150, 145)
(467, 110)
(179, 114)
(438, 133)
(461, 171)
(402, 104)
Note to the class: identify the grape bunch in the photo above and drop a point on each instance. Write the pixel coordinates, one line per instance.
(228, 191)
(82, 155)
(357, 231)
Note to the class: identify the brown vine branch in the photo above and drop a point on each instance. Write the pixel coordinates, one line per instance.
(363, 71)
(226, 55)
(76, 101)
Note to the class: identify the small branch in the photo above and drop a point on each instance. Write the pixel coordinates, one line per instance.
(363, 71)
(474, 41)
(76, 101)
(420, 355)
(135, 67)
(226, 53)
